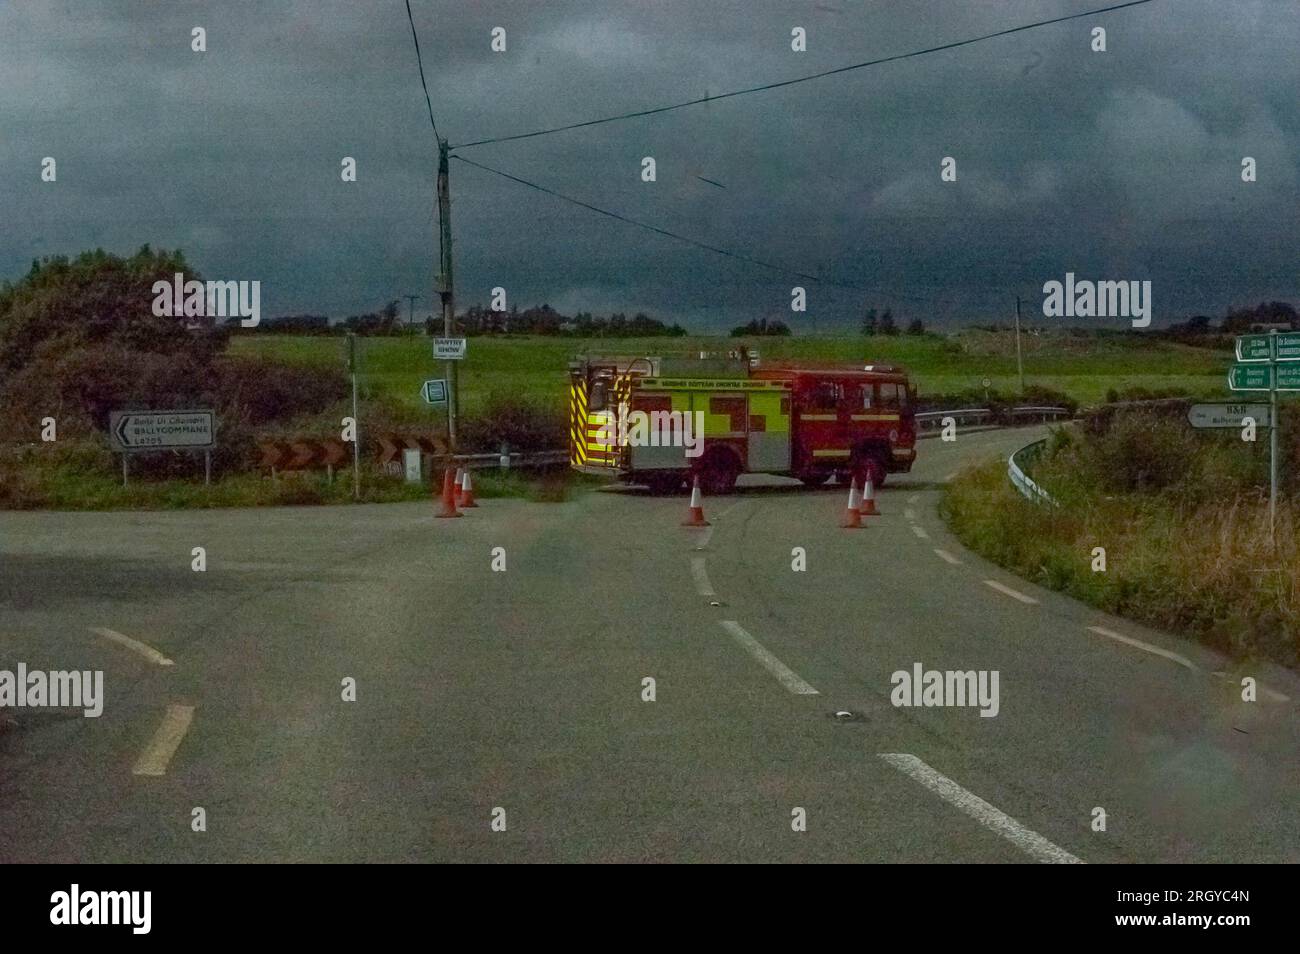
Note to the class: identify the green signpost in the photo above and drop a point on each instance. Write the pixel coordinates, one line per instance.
(1287, 377)
(1255, 348)
(1268, 363)
(1251, 377)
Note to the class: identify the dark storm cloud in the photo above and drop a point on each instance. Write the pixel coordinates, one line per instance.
(1124, 164)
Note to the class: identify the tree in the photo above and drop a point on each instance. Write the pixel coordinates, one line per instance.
(887, 326)
(916, 327)
(869, 323)
(96, 298)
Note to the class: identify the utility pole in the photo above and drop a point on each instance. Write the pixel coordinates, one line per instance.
(1020, 365)
(445, 287)
(410, 317)
(356, 422)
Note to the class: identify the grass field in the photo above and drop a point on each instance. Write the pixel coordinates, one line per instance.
(535, 367)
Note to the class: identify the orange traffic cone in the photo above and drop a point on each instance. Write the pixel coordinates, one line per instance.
(467, 492)
(869, 501)
(695, 516)
(459, 484)
(449, 495)
(853, 512)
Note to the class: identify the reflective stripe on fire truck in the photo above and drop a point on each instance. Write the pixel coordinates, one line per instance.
(577, 422)
(818, 417)
(831, 453)
(876, 417)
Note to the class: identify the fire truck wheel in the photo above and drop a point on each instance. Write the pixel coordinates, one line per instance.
(815, 478)
(870, 466)
(719, 473)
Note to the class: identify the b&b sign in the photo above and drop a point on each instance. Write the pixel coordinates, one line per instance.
(1228, 415)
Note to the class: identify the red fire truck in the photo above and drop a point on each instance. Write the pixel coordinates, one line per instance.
(800, 421)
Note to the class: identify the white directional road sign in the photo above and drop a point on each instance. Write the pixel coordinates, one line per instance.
(1228, 415)
(162, 430)
(449, 349)
(434, 392)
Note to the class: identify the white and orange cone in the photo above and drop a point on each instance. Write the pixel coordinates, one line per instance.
(695, 516)
(449, 495)
(467, 492)
(853, 512)
(869, 501)
(460, 483)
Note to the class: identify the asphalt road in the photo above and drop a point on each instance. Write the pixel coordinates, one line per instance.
(523, 690)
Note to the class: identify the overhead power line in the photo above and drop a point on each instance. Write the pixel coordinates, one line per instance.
(420, 62)
(785, 269)
(800, 79)
(656, 229)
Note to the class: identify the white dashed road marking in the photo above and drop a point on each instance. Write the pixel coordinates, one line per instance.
(1030, 842)
(1145, 647)
(920, 532)
(1014, 594)
(909, 513)
(784, 674)
(703, 539)
(176, 722)
(701, 577)
(944, 554)
(148, 652)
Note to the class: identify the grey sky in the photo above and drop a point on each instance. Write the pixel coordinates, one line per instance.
(1117, 165)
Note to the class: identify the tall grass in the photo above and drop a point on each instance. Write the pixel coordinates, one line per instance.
(1184, 528)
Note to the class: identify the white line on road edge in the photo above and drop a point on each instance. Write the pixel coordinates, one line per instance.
(1272, 694)
(148, 652)
(1145, 647)
(176, 722)
(703, 539)
(950, 478)
(1014, 594)
(1031, 843)
(920, 532)
(784, 674)
(701, 576)
(944, 554)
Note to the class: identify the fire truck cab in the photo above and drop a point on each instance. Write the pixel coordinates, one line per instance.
(806, 422)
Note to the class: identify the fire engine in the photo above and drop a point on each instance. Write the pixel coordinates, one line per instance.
(800, 421)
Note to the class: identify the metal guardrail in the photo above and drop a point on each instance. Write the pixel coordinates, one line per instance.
(928, 419)
(1046, 412)
(514, 459)
(1022, 482)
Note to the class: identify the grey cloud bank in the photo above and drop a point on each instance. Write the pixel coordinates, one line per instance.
(1121, 165)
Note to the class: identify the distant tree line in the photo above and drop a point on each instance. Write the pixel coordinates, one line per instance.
(1277, 314)
(761, 326)
(477, 320)
(545, 320)
(874, 324)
